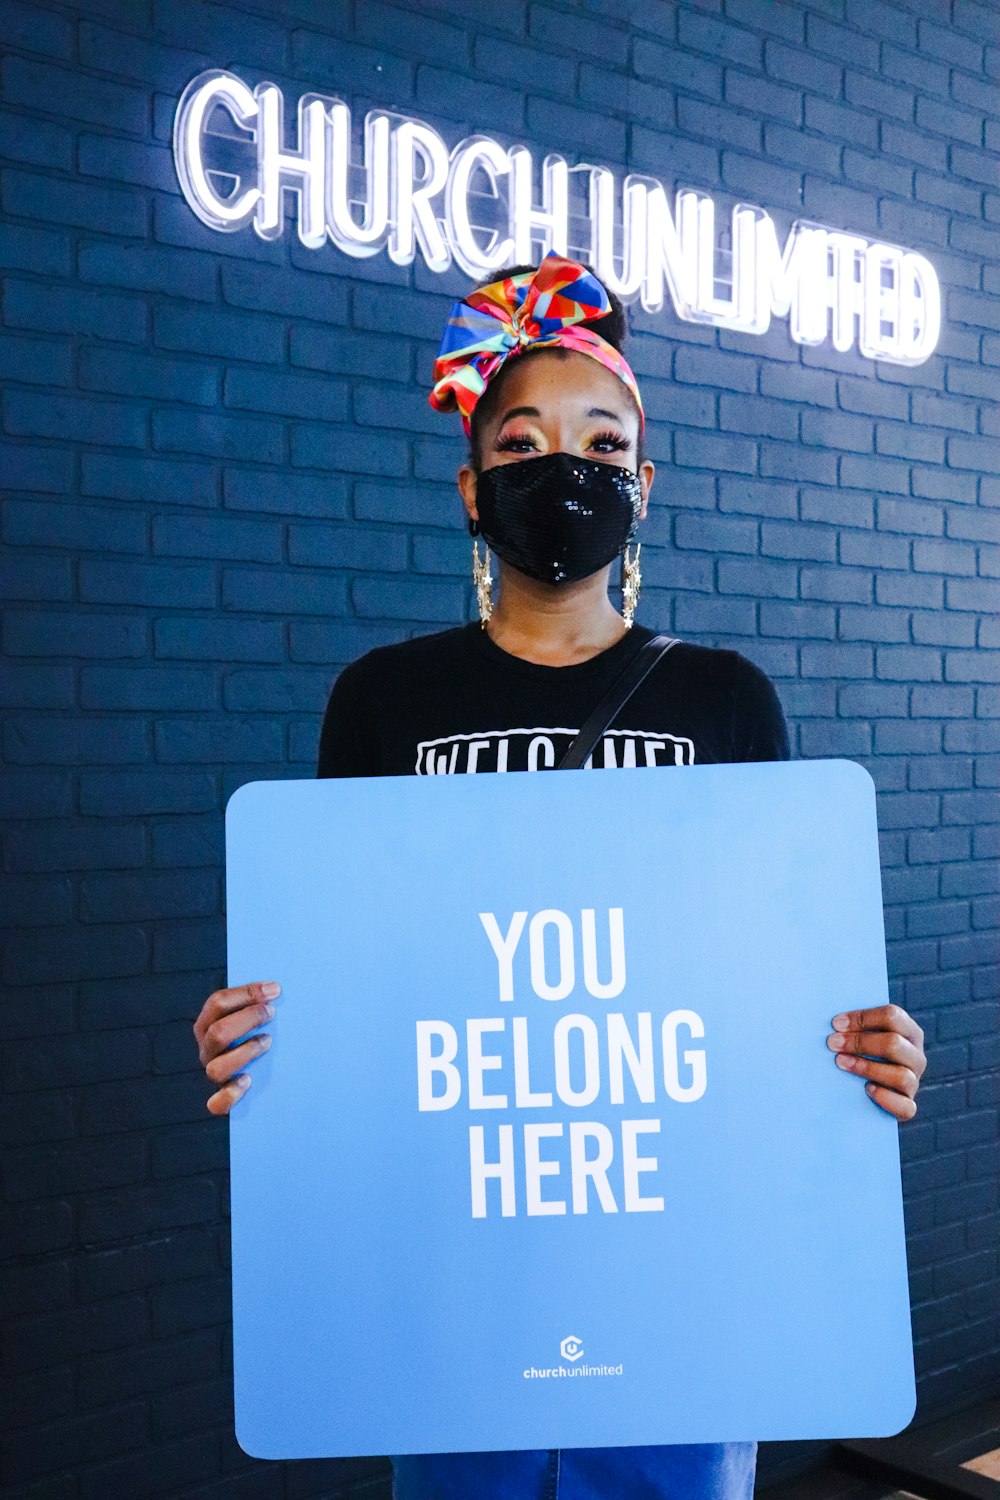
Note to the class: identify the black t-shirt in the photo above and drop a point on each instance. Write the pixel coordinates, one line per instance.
(455, 702)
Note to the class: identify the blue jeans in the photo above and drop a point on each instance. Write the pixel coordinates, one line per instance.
(682, 1471)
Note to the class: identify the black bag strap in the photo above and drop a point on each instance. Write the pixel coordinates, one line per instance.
(615, 698)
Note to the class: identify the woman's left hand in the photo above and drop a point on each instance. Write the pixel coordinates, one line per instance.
(885, 1032)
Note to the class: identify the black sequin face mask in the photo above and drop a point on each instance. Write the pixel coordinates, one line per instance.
(559, 517)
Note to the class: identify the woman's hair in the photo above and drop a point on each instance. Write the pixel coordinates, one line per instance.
(612, 327)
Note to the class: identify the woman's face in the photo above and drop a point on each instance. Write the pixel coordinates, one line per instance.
(565, 403)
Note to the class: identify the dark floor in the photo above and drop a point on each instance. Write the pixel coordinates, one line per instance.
(930, 1460)
(835, 1484)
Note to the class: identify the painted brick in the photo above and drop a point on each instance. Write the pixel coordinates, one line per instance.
(226, 537)
(349, 452)
(652, 60)
(339, 352)
(285, 494)
(43, 251)
(83, 205)
(410, 32)
(663, 402)
(879, 96)
(862, 623)
(437, 602)
(35, 361)
(651, 149)
(34, 414)
(234, 335)
(351, 547)
(757, 497)
(786, 461)
(31, 304)
(759, 416)
(99, 101)
(146, 687)
(746, 174)
(128, 374)
(698, 450)
(797, 620)
(89, 527)
(401, 501)
(736, 44)
(185, 639)
(543, 68)
(283, 593)
(333, 61)
(41, 143)
(220, 437)
(263, 288)
(793, 65)
(34, 578)
(288, 395)
(149, 268)
(757, 576)
(452, 95)
(760, 96)
(151, 480)
(132, 57)
(944, 42)
(67, 633)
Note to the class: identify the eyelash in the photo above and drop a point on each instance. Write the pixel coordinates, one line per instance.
(619, 444)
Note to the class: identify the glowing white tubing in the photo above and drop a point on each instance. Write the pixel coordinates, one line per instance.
(829, 283)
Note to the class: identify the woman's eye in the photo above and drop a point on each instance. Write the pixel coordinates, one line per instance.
(611, 442)
(512, 443)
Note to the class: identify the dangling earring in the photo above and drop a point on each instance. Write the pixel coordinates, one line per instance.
(631, 579)
(481, 576)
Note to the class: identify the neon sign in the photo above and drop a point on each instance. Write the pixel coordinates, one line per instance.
(476, 206)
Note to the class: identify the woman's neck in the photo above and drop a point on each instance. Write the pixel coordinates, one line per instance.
(554, 626)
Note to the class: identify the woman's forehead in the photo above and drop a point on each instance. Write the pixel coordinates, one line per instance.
(567, 381)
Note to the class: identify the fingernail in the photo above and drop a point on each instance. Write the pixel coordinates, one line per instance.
(265, 1042)
(270, 990)
(836, 1042)
(244, 1080)
(841, 1022)
(269, 1010)
(843, 1061)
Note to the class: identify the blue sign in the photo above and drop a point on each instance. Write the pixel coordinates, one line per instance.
(549, 1149)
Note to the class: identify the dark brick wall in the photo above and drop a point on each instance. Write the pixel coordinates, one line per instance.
(222, 481)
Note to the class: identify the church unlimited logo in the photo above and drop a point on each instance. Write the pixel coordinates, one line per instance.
(572, 1351)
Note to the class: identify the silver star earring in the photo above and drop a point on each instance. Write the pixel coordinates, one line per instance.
(481, 576)
(631, 579)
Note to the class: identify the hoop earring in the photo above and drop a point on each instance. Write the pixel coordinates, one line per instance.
(631, 579)
(482, 578)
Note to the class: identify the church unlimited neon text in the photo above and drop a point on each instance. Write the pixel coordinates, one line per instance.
(476, 206)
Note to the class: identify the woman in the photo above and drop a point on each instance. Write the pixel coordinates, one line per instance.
(555, 483)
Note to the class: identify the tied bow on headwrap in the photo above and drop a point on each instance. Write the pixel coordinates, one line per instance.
(527, 311)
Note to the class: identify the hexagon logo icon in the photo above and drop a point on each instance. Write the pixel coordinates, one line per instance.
(571, 1348)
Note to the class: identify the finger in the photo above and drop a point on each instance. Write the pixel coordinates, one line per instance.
(903, 1080)
(233, 1059)
(222, 1033)
(222, 1101)
(223, 1002)
(891, 1102)
(880, 1018)
(888, 1044)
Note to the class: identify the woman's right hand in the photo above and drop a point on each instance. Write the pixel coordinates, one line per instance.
(225, 1016)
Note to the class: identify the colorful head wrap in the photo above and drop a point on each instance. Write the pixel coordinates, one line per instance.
(527, 311)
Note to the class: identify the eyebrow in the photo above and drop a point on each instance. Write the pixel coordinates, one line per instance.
(532, 411)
